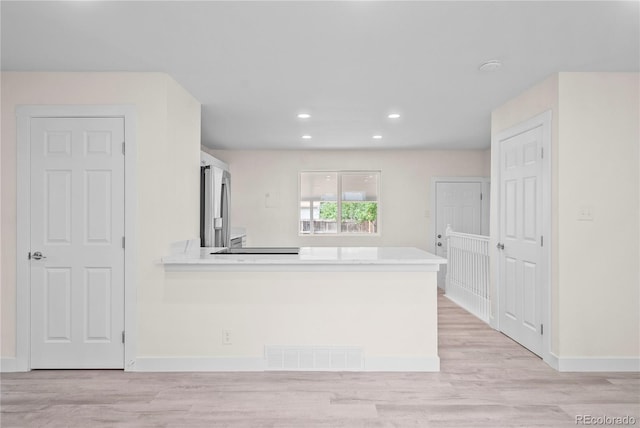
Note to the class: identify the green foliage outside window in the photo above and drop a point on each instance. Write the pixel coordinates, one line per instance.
(359, 212)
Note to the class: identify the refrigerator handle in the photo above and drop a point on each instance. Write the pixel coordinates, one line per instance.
(207, 209)
(226, 195)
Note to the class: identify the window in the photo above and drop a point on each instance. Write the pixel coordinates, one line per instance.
(339, 202)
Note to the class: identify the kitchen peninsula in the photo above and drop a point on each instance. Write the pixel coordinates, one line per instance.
(326, 308)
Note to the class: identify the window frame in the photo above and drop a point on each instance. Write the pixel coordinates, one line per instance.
(339, 175)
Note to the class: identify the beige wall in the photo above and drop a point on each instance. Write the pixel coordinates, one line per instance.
(599, 279)
(168, 140)
(486, 163)
(595, 264)
(168, 126)
(327, 308)
(405, 186)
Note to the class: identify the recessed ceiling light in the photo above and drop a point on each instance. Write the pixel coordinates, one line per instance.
(492, 65)
(377, 137)
(304, 116)
(393, 116)
(306, 137)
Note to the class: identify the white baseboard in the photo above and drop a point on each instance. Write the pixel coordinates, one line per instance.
(597, 364)
(493, 322)
(8, 364)
(463, 306)
(402, 364)
(552, 359)
(222, 364)
(198, 364)
(371, 364)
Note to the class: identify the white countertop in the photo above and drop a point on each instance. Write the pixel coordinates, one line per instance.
(310, 258)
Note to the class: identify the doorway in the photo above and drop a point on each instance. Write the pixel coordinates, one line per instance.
(462, 203)
(75, 295)
(522, 158)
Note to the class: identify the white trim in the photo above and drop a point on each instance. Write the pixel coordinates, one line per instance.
(493, 321)
(462, 305)
(598, 364)
(552, 360)
(208, 160)
(402, 364)
(24, 115)
(484, 212)
(543, 120)
(339, 234)
(8, 364)
(130, 232)
(23, 238)
(199, 364)
(237, 364)
(547, 135)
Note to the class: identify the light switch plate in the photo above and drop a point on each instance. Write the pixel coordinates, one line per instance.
(585, 213)
(271, 200)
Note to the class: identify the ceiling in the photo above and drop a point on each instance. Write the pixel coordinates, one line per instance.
(255, 65)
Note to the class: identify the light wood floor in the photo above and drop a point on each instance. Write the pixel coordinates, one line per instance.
(486, 380)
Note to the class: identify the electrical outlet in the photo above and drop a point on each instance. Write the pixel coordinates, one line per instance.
(226, 337)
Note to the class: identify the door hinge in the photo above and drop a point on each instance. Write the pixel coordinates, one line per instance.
(542, 241)
(542, 153)
(480, 196)
(123, 242)
(123, 336)
(541, 329)
(29, 255)
(123, 147)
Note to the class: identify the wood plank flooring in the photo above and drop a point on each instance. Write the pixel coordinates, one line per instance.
(486, 380)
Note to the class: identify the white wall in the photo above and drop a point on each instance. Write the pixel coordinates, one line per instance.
(405, 186)
(168, 140)
(595, 264)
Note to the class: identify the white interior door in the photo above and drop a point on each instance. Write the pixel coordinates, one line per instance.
(520, 270)
(77, 230)
(458, 204)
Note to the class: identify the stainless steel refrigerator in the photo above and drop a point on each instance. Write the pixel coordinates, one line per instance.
(215, 189)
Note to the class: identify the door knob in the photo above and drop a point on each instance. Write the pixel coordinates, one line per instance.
(38, 256)
(500, 246)
(439, 236)
(439, 244)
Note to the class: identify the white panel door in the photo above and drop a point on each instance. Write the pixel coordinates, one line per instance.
(77, 227)
(458, 204)
(520, 233)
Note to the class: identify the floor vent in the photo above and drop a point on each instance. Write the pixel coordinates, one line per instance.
(321, 358)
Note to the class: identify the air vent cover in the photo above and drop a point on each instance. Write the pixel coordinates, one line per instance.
(309, 358)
